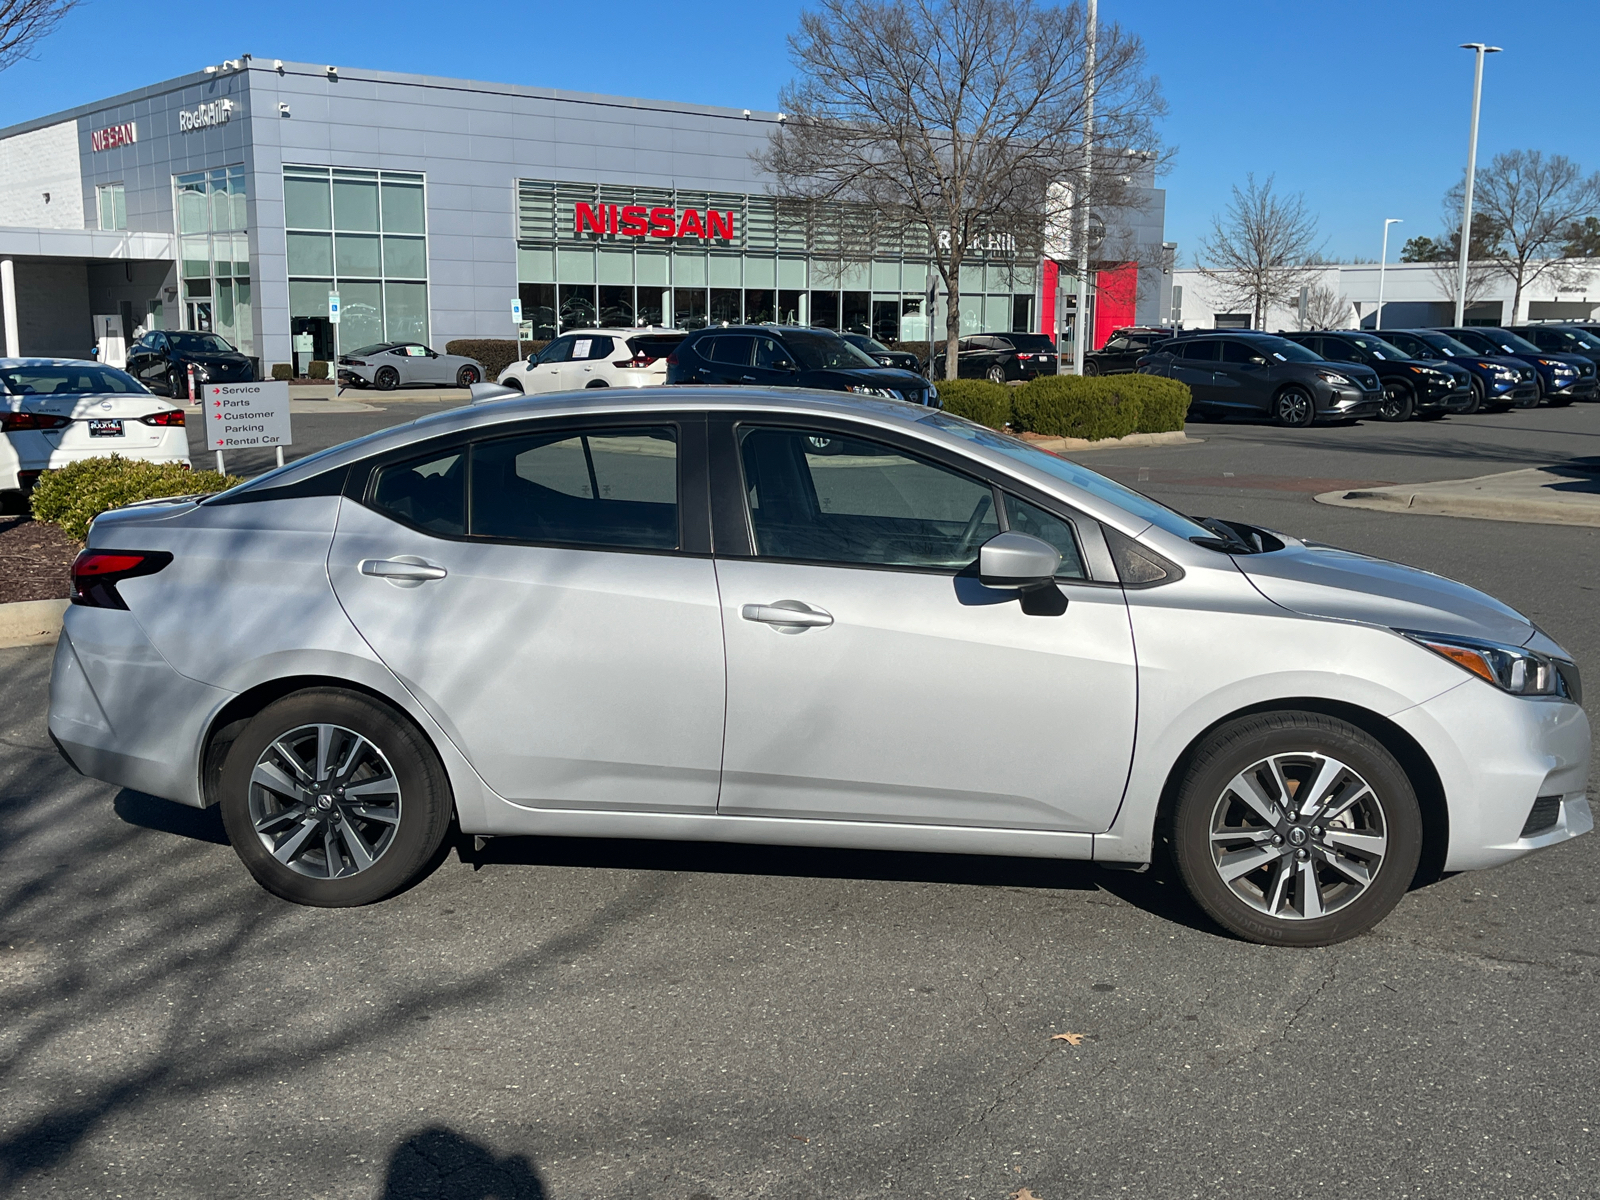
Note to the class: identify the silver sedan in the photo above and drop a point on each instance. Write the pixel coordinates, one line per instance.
(788, 618)
(389, 365)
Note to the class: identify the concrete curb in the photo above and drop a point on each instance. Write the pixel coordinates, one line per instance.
(31, 622)
(1520, 496)
(1176, 437)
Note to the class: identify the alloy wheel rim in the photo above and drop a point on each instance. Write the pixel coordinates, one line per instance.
(1393, 402)
(324, 801)
(1298, 836)
(1293, 407)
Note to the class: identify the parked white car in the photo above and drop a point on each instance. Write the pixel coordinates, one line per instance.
(54, 411)
(595, 358)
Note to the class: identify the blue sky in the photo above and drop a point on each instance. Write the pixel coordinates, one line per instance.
(1362, 107)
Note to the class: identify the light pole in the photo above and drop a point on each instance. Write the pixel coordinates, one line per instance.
(1080, 329)
(1384, 262)
(1479, 49)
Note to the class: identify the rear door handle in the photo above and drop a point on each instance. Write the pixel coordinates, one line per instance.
(747, 379)
(405, 571)
(787, 616)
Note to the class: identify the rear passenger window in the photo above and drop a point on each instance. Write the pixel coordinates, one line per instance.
(735, 351)
(1205, 351)
(606, 487)
(426, 492)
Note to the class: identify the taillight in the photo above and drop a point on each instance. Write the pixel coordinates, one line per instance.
(640, 359)
(172, 416)
(96, 573)
(672, 359)
(18, 422)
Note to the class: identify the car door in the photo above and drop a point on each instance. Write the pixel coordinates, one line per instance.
(547, 374)
(1241, 378)
(773, 365)
(728, 358)
(905, 690)
(1114, 356)
(1194, 363)
(152, 370)
(566, 635)
(593, 364)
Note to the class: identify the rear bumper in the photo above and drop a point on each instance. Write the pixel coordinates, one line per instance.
(120, 713)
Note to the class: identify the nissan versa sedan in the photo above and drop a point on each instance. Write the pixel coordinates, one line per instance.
(790, 617)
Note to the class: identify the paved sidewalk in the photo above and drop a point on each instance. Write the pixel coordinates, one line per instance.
(1568, 494)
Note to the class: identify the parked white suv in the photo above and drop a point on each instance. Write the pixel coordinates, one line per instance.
(595, 358)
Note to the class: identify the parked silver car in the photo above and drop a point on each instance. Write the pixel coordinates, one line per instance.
(389, 365)
(729, 615)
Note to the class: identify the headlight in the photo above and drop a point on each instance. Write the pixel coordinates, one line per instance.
(1510, 668)
(200, 372)
(862, 389)
(1505, 376)
(1331, 377)
(1558, 368)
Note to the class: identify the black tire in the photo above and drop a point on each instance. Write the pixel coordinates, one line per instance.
(595, 383)
(1090, 367)
(387, 379)
(996, 374)
(178, 385)
(1208, 800)
(1477, 398)
(513, 383)
(467, 376)
(1399, 403)
(423, 803)
(1293, 408)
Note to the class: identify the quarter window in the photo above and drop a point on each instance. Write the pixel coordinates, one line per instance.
(426, 492)
(818, 496)
(1022, 517)
(610, 487)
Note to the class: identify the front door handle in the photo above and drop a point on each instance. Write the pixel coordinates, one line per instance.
(404, 571)
(787, 616)
(747, 379)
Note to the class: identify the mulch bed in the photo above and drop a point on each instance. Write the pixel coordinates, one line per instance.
(35, 560)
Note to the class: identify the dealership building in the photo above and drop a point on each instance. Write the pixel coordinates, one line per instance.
(236, 199)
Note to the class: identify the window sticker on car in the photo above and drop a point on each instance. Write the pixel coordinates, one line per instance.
(1279, 357)
(417, 351)
(580, 348)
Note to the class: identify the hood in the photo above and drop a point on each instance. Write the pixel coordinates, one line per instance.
(220, 357)
(872, 377)
(1323, 581)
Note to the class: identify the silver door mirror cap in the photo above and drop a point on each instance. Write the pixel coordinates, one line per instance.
(482, 393)
(1017, 560)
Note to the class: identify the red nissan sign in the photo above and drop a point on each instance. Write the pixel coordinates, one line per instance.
(636, 220)
(114, 135)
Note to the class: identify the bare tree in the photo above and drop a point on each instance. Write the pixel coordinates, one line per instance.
(1534, 202)
(1326, 308)
(1262, 250)
(954, 118)
(24, 22)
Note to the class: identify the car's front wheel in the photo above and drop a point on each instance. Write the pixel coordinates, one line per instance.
(1477, 399)
(333, 799)
(1398, 403)
(1091, 367)
(1295, 829)
(1294, 408)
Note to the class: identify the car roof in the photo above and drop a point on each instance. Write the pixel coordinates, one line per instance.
(54, 362)
(616, 332)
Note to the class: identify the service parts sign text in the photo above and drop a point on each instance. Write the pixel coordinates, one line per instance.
(243, 415)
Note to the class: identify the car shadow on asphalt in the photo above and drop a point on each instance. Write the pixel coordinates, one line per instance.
(168, 816)
(440, 1164)
(1152, 891)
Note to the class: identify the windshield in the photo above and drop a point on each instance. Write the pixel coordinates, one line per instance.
(1381, 348)
(1031, 343)
(1446, 344)
(70, 379)
(862, 342)
(819, 352)
(1510, 342)
(1284, 350)
(199, 343)
(1577, 339)
(1134, 503)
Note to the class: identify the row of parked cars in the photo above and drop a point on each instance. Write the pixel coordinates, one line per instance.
(1298, 377)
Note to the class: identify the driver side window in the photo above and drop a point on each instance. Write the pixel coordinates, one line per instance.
(558, 351)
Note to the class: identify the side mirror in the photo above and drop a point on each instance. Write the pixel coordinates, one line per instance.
(1017, 560)
(1257, 361)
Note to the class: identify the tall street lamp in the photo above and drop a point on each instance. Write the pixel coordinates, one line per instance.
(1081, 331)
(1383, 262)
(1480, 49)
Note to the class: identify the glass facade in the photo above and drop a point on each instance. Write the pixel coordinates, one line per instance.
(213, 253)
(777, 262)
(113, 204)
(362, 234)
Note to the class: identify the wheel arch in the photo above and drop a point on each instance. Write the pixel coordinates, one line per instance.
(1408, 752)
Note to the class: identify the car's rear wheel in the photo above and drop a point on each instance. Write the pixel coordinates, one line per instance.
(996, 374)
(333, 799)
(1295, 829)
(467, 376)
(387, 379)
(1398, 403)
(1293, 407)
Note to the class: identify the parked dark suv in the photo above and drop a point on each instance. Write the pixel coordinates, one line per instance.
(160, 360)
(902, 360)
(1000, 357)
(1258, 374)
(783, 356)
(1123, 350)
(1562, 378)
(1409, 387)
(1498, 383)
(1572, 340)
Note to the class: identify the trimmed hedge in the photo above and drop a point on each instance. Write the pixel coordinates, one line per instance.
(976, 400)
(75, 495)
(283, 371)
(1099, 406)
(493, 354)
(318, 369)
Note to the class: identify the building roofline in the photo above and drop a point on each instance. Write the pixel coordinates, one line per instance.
(263, 66)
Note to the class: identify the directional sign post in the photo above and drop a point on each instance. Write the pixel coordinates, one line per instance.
(516, 319)
(333, 319)
(245, 415)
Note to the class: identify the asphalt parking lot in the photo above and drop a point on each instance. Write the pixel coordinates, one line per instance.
(585, 1018)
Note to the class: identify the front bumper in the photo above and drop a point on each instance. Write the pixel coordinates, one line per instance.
(1351, 401)
(1578, 389)
(1497, 756)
